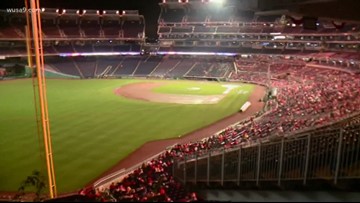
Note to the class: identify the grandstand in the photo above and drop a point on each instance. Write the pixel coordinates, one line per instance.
(305, 137)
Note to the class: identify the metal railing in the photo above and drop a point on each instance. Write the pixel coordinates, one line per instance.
(330, 154)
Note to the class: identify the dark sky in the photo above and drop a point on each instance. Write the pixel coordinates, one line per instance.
(149, 8)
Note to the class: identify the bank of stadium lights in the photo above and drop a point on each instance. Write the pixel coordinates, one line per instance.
(100, 13)
(43, 9)
(62, 11)
(82, 13)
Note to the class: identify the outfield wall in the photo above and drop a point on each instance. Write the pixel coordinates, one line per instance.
(51, 74)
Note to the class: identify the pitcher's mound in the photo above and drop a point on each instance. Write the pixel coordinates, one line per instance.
(143, 91)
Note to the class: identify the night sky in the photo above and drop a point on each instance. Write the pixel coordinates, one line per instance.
(148, 8)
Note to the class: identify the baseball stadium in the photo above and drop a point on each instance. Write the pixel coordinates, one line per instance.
(180, 100)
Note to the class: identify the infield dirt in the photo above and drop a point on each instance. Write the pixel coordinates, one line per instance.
(143, 91)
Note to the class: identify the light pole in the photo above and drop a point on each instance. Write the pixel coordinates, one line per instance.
(41, 101)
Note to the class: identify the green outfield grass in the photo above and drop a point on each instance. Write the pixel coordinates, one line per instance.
(191, 88)
(92, 128)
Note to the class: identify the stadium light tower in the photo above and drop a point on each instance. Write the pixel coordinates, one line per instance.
(40, 98)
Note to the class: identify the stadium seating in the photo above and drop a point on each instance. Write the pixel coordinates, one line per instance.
(128, 66)
(50, 50)
(85, 48)
(65, 66)
(8, 30)
(197, 15)
(86, 66)
(311, 94)
(147, 66)
(165, 65)
(64, 48)
(183, 67)
(204, 29)
(49, 27)
(181, 30)
(90, 26)
(69, 26)
(107, 66)
(133, 28)
(110, 27)
(172, 15)
(122, 48)
(103, 48)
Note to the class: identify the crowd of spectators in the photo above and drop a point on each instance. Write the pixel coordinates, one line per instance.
(151, 182)
(307, 98)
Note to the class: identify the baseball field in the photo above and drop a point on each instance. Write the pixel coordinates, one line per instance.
(96, 123)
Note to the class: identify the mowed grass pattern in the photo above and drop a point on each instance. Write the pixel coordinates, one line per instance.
(191, 88)
(92, 128)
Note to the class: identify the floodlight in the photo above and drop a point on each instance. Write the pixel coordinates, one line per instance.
(217, 1)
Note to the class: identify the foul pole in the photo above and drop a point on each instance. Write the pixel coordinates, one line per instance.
(41, 85)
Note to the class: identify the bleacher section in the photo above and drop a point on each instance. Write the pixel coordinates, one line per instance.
(182, 68)
(128, 66)
(106, 66)
(172, 15)
(64, 65)
(86, 66)
(75, 25)
(304, 161)
(223, 24)
(69, 26)
(49, 26)
(110, 27)
(90, 25)
(133, 28)
(165, 65)
(200, 66)
(142, 66)
(147, 66)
